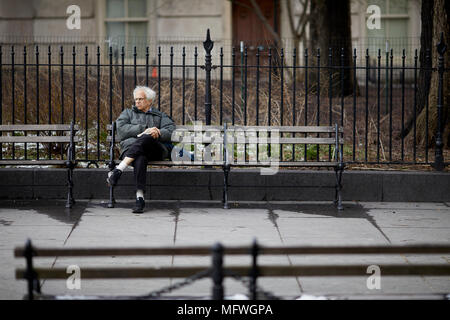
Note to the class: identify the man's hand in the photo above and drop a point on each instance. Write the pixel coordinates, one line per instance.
(154, 132)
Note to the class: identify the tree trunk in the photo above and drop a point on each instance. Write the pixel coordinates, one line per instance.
(330, 28)
(440, 25)
(425, 56)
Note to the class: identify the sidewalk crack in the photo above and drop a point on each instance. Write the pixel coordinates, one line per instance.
(176, 214)
(67, 238)
(273, 218)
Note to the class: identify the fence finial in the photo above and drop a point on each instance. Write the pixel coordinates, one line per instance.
(208, 43)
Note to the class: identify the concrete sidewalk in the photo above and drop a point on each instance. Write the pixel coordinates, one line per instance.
(167, 223)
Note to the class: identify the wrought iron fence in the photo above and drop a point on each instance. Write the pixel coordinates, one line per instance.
(373, 97)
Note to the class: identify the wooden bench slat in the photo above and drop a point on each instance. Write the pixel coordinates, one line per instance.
(115, 273)
(37, 139)
(31, 162)
(199, 250)
(198, 140)
(187, 127)
(266, 163)
(178, 139)
(263, 271)
(310, 140)
(308, 163)
(268, 140)
(37, 127)
(292, 129)
(93, 252)
(170, 163)
(247, 140)
(296, 129)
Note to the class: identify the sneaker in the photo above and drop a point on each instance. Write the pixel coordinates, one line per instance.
(113, 177)
(139, 207)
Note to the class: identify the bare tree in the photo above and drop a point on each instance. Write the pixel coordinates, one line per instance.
(298, 29)
(330, 28)
(426, 51)
(297, 25)
(441, 25)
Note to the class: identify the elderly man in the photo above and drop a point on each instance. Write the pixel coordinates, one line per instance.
(145, 135)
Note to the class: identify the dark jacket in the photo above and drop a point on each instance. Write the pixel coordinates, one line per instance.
(133, 121)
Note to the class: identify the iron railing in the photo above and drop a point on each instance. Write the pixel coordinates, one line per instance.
(371, 96)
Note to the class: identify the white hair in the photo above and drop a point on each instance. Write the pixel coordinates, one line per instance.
(149, 93)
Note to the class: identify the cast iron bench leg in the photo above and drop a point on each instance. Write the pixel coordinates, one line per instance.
(112, 201)
(338, 193)
(111, 165)
(226, 170)
(70, 200)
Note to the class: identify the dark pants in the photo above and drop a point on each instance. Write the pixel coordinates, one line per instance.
(145, 149)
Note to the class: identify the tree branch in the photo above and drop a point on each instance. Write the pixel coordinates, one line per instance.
(264, 21)
(290, 15)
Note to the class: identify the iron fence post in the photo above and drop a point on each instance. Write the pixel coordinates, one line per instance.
(25, 99)
(195, 83)
(439, 157)
(171, 82)
(159, 78)
(1, 100)
(37, 98)
(13, 90)
(110, 84)
(208, 45)
(74, 100)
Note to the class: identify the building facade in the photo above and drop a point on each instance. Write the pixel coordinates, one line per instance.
(161, 30)
(184, 20)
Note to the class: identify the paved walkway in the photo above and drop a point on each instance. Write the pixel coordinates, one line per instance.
(90, 224)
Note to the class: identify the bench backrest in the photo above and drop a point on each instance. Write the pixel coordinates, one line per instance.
(262, 138)
(32, 138)
(266, 142)
(55, 134)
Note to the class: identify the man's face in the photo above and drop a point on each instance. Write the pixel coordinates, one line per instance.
(141, 101)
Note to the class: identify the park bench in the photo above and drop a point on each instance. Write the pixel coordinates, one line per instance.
(267, 143)
(247, 273)
(231, 146)
(59, 137)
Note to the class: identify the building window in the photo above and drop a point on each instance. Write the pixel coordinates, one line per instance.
(126, 25)
(394, 27)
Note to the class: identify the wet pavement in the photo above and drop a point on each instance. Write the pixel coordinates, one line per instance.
(175, 223)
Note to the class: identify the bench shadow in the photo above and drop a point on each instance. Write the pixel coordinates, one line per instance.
(54, 209)
(351, 210)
